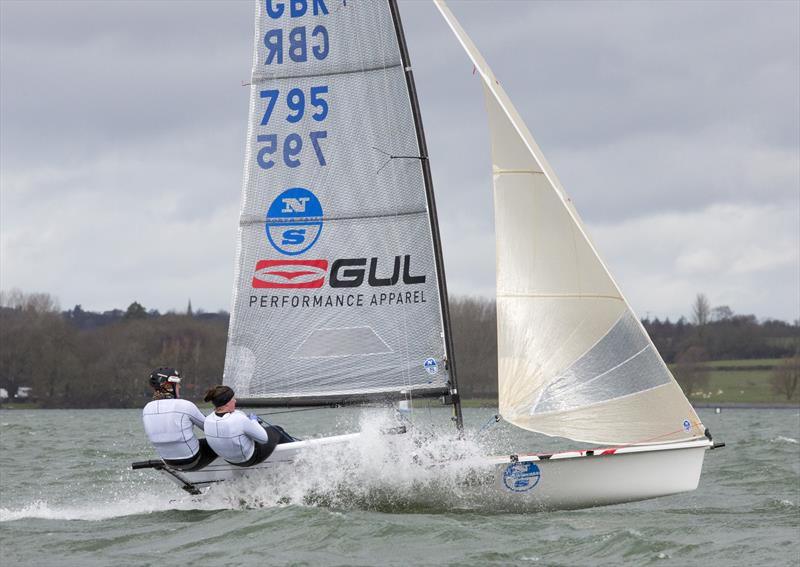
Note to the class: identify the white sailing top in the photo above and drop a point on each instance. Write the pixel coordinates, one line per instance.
(168, 424)
(232, 435)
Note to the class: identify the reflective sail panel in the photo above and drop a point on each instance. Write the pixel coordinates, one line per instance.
(336, 287)
(573, 360)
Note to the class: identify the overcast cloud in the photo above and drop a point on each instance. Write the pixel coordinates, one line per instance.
(675, 127)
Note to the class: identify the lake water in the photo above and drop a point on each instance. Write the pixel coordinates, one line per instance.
(69, 497)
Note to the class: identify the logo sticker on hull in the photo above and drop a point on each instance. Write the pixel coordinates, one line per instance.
(294, 221)
(521, 477)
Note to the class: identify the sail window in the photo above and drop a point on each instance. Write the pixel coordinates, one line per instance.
(623, 362)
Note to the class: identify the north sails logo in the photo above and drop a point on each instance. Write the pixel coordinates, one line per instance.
(294, 221)
(285, 274)
(291, 205)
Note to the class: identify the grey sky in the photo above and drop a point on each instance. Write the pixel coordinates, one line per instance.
(675, 127)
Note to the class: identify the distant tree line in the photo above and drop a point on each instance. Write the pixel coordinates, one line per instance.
(719, 334)
(82, 359)
(79, 358)
(722, 335)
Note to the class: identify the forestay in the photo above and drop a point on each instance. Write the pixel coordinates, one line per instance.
(337, 292)
(574, 361)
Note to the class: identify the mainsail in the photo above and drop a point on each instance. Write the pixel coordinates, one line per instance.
(339, 292)
(573, 359)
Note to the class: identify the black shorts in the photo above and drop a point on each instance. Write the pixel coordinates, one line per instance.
(205, 455)
(262, 450)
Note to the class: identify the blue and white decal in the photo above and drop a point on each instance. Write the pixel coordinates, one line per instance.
(521, 477)
(294, 221)
(687, 425)
(431, 366)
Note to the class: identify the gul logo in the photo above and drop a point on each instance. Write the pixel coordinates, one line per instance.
(521, 477)
(294, 221)
(344, 273)
(285, 274)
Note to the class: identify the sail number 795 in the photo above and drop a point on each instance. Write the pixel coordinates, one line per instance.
(289, 149)
(296, 103)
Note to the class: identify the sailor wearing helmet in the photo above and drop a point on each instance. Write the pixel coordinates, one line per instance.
(169, 423)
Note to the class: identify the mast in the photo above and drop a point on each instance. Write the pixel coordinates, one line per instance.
(434, 219)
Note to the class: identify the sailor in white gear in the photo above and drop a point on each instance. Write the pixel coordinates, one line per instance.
(169, 423)
(237, 438)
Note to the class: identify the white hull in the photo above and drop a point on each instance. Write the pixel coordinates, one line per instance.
(578, 480)
(525, 482)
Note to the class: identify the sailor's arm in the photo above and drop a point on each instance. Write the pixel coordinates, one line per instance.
(196, 417)
(254, 431)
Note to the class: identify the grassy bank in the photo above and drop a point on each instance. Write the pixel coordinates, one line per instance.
(730, 382)
(742, 382)
(22, 405)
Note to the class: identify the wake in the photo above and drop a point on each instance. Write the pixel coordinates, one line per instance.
(144, 503)
(427, 469)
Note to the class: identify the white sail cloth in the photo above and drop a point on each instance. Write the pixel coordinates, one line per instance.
(573, 360)
(336, 290)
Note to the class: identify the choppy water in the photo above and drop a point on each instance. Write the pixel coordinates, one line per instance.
(68, 497)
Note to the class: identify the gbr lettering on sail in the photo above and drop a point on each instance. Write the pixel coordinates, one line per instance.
(299, 43)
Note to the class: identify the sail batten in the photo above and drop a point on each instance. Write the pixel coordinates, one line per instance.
(573, 359)
(256, 80)
(260, 220)
(572, 295)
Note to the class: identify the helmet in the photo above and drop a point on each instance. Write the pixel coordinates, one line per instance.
(160, 376)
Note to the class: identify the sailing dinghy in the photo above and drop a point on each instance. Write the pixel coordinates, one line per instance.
(340, 294)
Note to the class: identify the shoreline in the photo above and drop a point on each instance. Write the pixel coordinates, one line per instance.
(467, 403)
(748, 405)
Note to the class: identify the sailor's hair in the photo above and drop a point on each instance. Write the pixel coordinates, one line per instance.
(219, 395)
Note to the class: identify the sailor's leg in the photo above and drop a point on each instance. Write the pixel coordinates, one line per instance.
(262, 450)
(207, 454)
(283, 437)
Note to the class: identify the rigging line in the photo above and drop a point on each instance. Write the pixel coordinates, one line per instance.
(396, 157)
(292, 411)
(492, 420)
(384, 165)
(391, 157)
